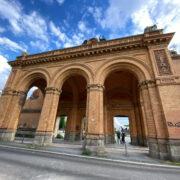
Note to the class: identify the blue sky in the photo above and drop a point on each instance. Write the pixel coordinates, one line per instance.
(41, 25)
(120, 122)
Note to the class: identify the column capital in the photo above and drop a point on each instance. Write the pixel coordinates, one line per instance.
(95, 87)
(53, 90)
(147, 84)
(13, 92)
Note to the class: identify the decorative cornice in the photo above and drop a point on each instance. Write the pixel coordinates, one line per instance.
(161, 81)
(170, 80)
(104, 47)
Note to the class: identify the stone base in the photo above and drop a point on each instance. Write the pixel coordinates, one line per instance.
(134, 141)
(158, 148)
(174, 149)
(7, 135)
(95, 143)
(70, 136)
(43, 139)
(109, 139)
(138, 141)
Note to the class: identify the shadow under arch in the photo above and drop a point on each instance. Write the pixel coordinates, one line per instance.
(72, 70)
(132, 65)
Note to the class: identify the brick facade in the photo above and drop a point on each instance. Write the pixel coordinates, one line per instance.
(133, 76)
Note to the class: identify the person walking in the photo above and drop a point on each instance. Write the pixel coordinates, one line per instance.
(118, 136)
(123, 136)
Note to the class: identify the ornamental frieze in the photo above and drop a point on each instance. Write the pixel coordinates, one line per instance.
(162, 62)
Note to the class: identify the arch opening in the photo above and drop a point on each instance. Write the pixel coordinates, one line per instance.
(122, 99)
(72, 105)
(121, 125)
(31, 107)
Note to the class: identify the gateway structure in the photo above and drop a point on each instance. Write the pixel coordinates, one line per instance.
(90, 84)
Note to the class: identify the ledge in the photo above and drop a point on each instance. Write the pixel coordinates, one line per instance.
(100, 48)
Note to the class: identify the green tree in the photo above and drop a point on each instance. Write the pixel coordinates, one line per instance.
(62, 123)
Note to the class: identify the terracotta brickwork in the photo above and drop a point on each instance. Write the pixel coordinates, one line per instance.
(134, 76)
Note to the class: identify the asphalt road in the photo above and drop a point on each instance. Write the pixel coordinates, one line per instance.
(22, 164)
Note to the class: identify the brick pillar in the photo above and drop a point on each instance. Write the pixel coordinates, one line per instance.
(157, 132)
(10, 108)
(47, 119)
(95, 124)
(151, 128)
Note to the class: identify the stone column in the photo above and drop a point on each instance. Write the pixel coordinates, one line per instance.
(95, 122)
(47, 119)
(10, 108)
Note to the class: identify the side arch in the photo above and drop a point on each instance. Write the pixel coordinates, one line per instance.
(133, 65)
(30, 77)
(71, 69)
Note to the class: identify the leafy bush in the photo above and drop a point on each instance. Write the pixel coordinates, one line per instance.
(59, 136)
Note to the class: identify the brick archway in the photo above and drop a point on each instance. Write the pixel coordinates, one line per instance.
(70, 70)
(148, 100)
(17, 97)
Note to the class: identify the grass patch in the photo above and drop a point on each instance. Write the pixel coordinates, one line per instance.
(173, 163)
(86, 152)
(33, 146)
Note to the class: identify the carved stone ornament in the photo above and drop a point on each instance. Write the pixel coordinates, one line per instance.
(95, 87)
(162, 62)
(52, 90)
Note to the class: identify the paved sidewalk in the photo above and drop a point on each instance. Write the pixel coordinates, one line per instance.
(115, 152)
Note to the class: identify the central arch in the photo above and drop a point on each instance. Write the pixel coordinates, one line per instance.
(137, 71)
(72, 102)
(122, 99)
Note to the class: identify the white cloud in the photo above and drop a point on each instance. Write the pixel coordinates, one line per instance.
(82, 26)
(140, 13)
(60, 1)
(63, 40)
(35, 26)
(4, 71)
(39, 45)
(2, 29)
(9, 44)
(20, 22)
(116, 15)
(11, 11)
(164, 13)
(97, 13)
(57, 32)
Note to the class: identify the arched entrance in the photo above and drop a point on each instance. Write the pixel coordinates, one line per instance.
(31, 111)
(122, 97)
(72, 105)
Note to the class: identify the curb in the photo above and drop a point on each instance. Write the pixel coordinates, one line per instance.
(94, 158)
